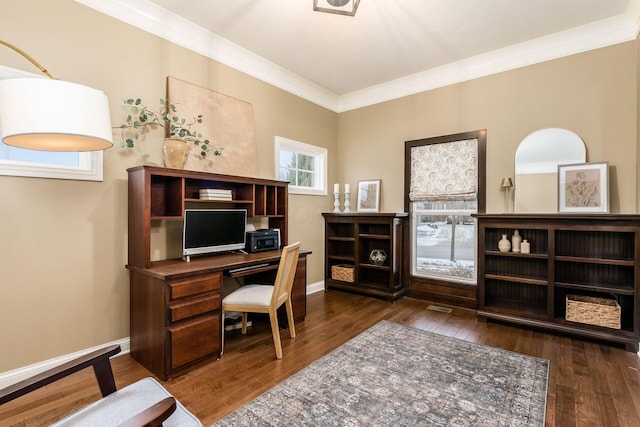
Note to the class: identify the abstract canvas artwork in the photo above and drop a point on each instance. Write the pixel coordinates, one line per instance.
(227, 122)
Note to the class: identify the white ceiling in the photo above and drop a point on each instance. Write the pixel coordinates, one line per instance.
(389, 48)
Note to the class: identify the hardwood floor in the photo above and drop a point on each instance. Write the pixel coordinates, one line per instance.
(590, 384)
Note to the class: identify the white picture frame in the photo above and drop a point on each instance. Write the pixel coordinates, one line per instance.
(583, 188)
(368, 196)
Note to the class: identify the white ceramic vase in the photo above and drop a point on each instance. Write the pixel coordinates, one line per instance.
(516, 239)
(504, 245)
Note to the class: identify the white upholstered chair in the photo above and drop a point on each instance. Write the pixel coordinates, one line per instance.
(143, 403)
(267, 298)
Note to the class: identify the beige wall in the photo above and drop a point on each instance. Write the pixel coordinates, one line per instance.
(593, 94)
(63, 284)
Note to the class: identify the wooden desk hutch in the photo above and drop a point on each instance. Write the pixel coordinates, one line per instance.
(175, 321)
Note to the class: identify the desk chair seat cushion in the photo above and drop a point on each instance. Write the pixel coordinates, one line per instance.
(127, 402)
(256, 295)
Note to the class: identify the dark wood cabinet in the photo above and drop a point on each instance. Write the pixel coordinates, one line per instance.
(349, 242)
(594, 256)
(175, 319)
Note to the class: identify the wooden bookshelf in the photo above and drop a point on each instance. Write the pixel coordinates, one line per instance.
(590, 255)
(349, 240)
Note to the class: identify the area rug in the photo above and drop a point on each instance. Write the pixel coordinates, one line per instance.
(393, 375)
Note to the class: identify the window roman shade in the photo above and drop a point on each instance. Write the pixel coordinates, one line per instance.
(444, 171)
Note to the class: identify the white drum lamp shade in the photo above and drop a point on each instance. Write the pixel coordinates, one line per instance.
(54, 115)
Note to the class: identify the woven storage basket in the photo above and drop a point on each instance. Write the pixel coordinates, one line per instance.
(342, 272)
(594, 311)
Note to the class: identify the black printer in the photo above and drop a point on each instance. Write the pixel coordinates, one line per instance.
(267, 239)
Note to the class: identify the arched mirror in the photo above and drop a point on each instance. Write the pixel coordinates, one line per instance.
(537, 160)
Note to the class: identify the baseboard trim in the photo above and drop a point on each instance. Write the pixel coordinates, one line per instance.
(315, 287)
(11, 377)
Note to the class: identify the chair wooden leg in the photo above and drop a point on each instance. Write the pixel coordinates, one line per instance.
(292, 326)
(275, 330)
(244, 322)
(104, 375)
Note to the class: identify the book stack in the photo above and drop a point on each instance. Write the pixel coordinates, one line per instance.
(215, 194)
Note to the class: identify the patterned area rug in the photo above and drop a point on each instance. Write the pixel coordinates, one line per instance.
(396, 375)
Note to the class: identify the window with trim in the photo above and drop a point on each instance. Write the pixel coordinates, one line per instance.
(44, 164)
(444, 177)
(303, 165)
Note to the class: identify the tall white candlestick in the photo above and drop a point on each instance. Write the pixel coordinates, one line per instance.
(347, 188)
(336, 188)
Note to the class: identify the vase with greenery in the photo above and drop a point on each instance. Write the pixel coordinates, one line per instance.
(139, 117)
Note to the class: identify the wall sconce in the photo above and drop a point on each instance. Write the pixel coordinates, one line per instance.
(340, 7)
(507, 185)
(53, 115)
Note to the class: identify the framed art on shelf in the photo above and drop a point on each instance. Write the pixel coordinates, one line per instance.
(369, 196)
(583, 188)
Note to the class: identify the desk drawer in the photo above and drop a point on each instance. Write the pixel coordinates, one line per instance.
(193, 340)
(194, 285)
(193, 306)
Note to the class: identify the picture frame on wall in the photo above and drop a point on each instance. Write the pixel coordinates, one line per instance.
(369, 196)
(583, 188)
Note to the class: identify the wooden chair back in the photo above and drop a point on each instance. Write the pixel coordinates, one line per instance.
(286, 273)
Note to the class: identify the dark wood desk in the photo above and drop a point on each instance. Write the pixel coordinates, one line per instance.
(175, 321)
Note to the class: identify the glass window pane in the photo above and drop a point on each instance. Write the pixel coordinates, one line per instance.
(303, 165)
(306, 162)
(284, 174)
(287, 159)
(447, 205)
(34, 156)
(305, 179)
(445, 246)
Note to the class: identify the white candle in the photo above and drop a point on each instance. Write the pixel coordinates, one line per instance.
(336, 188)
(347, 188)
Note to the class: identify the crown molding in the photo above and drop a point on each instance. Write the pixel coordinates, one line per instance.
(633, 10)
(600, 34)
(158, 21)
